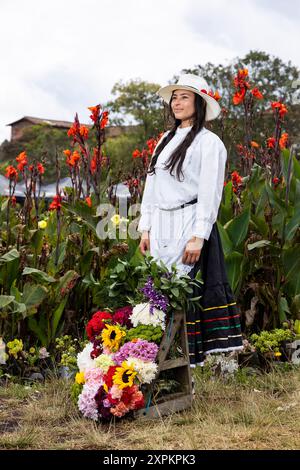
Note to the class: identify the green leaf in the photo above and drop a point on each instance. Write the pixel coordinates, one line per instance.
(238, 228)
(234, 264)
(11, 256)
(38, 275)
(33, 295)
(225, 240)
(6, 300)
(57, 316)
(175, 292)
(34, 326)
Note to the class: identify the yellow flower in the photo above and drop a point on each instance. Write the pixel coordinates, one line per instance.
(42, 224)
(112, 337)
(79, 378)
(32, 350)
(116, 219)
(124, 375)
(277, 354)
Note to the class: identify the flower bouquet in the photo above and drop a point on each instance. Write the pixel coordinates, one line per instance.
(119, 361)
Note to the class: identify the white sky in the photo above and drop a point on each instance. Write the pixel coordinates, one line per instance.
(60, 56)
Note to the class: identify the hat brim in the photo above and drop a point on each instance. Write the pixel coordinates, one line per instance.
(213, 108)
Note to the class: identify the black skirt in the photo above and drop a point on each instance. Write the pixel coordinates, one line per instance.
(216, 325)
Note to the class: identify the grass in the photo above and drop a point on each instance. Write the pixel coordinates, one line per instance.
(243, 412)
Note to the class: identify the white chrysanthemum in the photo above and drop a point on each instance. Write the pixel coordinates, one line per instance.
(84, 360)
(141, 314)
(146, 370)
(104, 361)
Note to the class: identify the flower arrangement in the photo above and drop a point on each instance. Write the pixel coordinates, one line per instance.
(118, 359)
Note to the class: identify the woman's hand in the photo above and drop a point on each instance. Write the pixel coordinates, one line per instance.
(192, 250)
(144, 243)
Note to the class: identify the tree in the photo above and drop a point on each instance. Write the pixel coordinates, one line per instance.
(138, 99)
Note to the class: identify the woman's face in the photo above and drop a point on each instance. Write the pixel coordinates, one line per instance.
(183, 104)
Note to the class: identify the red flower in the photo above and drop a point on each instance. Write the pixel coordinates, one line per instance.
(88, 200)
(56, 203)
(122, 315)
(13, 201)
(108, 377)
(282, 109)
(40, 169)
(95, 112)
(11, 173)
(97, 324)
(84, 132)
(276, 180)
(136, 153)
(239, 96)
(236, 178)
(256, 93)
(104, 120)
(22, 161)
(271, 141)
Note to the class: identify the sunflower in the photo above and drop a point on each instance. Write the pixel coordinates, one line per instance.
(124, 375)
(112, 337)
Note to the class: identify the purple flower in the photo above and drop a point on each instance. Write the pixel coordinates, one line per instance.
(140, 349)
(156, 298)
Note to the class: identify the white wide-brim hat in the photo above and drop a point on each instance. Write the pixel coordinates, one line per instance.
(196, 84)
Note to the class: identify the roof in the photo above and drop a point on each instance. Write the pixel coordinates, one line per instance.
(51, 122)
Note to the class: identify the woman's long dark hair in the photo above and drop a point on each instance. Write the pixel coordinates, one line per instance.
(178, 155)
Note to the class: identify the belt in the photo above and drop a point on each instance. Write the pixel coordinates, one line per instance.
(182, 205)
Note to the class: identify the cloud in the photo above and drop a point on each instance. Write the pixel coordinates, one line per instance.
(61, 56)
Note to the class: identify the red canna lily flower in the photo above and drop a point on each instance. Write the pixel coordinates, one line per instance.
(283, 140)
(11, 173)
(95, 110)
(22, 161)
(236, 178)
(88, 200)
(239, 96)
(104, 119)
(254, 144)
(40, 168)
(271, 141)
(56, 203)
(136, 153)
(256, 93)
(84, 132)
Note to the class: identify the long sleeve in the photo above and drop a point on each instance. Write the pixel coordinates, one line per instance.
(147, 204)
(213, 156)
(148, 199)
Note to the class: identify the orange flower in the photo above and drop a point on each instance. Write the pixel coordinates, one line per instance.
(22, 161)
(239, 96)
(13, 201)
(236, 178)
(11, 173)
(136, 153)
(56, 203)
(67, 153)
(254, 144)
(282, 109)
(88, 200)
(283, 140)
(256, 93)
(84, 132)
(104, 119)
(95, 110)
(217, 96)
(271, 142)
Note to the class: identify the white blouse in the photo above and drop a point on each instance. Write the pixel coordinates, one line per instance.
(203, 171)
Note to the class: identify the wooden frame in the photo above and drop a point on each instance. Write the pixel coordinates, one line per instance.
(170, 403)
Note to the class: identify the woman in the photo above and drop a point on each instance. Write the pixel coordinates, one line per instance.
(179, 209)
